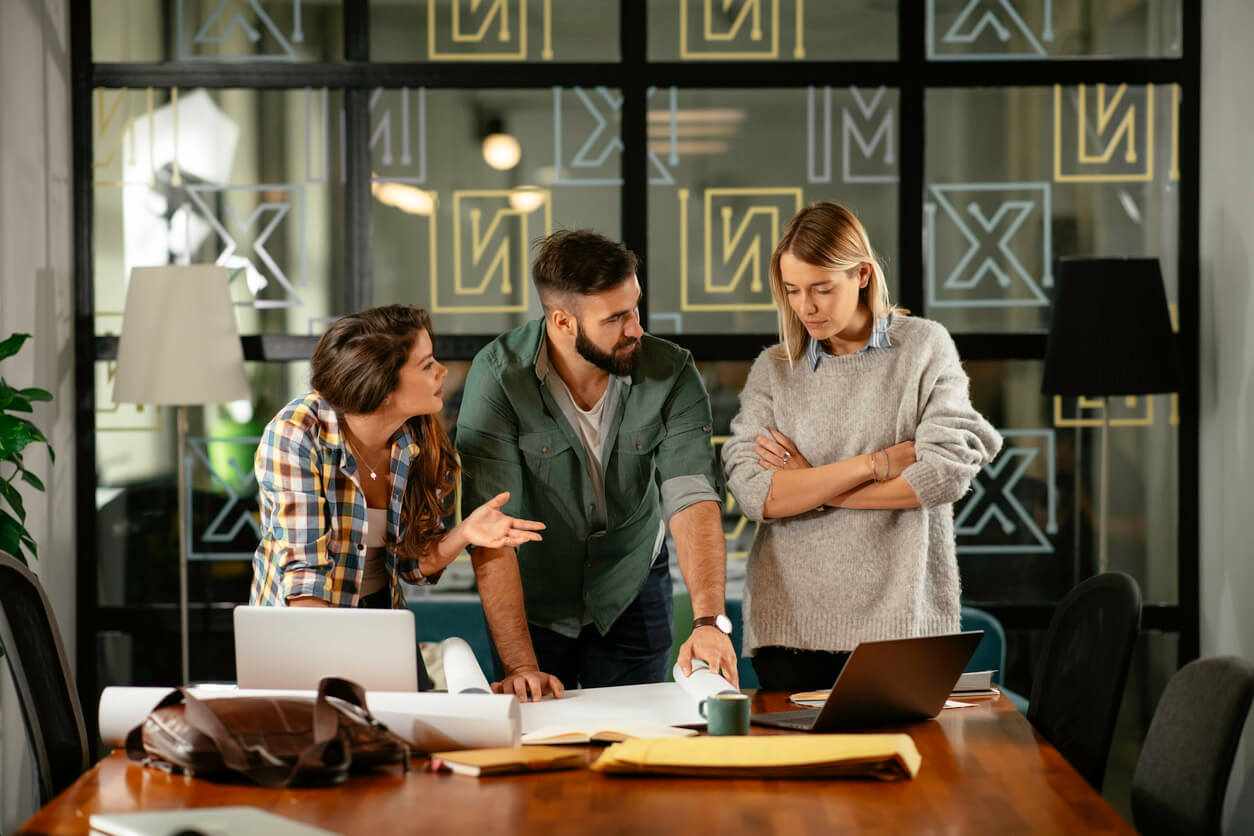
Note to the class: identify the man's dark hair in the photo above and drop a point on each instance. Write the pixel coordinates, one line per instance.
(579, 262)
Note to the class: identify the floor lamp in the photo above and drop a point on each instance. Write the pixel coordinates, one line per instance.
(1109, 335)
(179, 347)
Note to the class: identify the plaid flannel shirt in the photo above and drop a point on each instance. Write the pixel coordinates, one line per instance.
(313, 512)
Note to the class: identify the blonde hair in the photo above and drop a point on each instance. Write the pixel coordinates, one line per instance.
(826, 235)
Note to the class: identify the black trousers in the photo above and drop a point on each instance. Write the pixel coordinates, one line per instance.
(790, 669)
(382, 600)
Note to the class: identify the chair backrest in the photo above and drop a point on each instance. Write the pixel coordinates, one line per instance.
(990, 654)
(1082, 669)
(1181, 776)
(45, 687)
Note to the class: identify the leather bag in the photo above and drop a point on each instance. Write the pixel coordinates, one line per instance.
(273, 741)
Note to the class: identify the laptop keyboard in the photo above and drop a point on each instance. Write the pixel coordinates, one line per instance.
(802, 720)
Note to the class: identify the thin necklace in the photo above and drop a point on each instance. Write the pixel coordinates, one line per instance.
(362, 457)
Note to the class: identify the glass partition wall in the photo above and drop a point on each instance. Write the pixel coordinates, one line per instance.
(341, 153)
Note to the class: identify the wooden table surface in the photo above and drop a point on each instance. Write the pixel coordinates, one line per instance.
(984, 771)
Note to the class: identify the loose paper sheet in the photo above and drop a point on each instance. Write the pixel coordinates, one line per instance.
(664, 703)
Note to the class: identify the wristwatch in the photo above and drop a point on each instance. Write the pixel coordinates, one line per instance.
(720, 621)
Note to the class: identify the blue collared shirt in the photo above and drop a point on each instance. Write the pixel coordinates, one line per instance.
(879, 339)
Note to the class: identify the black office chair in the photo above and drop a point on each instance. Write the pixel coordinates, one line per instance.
(1082, 670)
(45, 687)
(1182, 773)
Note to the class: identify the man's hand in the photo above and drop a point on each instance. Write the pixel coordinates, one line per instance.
(529, 685)
(714, 647)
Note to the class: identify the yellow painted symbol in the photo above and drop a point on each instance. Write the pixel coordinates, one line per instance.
(745, 243)
(498, 235)
(488, 30)
(115, 132)
(1108, 107)
(749, 24)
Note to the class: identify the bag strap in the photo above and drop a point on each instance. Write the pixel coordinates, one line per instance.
(325, 729)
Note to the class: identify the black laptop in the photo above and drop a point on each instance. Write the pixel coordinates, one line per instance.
(886, 683)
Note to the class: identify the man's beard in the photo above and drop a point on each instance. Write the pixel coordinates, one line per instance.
(615, 362)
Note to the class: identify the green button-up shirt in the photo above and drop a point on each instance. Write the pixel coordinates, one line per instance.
(514, 435)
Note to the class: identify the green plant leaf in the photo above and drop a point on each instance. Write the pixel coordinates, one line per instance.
(10, 495)
(11, 532)
(15, 435)
(29, 542)
(18, 403)
(7, 393)
(11, 345)
(36, 394)
(33, 480)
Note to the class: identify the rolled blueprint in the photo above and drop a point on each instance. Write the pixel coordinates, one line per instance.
(461, 668)
(475, 718)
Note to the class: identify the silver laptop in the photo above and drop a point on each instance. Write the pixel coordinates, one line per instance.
(886, 683)
(294, 647)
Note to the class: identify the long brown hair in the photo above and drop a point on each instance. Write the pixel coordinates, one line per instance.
(826, 235)
(355, 367)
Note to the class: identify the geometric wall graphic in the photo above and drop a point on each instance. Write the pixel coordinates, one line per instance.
(484, 30)
(868, 149)
(988, 245)
(741, 227)
(587, 144)
(228, 526)
(975, 30)
(734, 30)
(398, 136)
(1004, 512)
(241, 27)
(491, 233)
(245, 218)
(1103, 133)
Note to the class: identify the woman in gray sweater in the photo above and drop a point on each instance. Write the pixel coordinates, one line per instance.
(855, 436)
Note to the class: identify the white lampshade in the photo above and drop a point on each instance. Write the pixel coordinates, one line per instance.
(179, 344)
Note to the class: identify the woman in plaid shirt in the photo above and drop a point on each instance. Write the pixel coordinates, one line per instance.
(354, 476)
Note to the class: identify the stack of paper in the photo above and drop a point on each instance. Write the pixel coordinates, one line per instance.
(884, 756)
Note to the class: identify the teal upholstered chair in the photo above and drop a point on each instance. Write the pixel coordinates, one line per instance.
(990, 654)
(437, 617)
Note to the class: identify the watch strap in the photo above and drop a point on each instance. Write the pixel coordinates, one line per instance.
(708, 621)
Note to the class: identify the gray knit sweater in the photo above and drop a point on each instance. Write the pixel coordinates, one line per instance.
(828, 579)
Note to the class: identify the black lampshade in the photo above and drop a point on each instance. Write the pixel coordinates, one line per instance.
(1110, 333)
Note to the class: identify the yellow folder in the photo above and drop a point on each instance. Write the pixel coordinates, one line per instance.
(885, 756)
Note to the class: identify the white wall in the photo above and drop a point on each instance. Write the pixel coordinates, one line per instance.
(1227, 443)
(36, 281)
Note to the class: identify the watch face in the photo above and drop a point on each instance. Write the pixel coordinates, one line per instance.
(723, 623)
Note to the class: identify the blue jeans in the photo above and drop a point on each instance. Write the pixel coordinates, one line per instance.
(636, 650)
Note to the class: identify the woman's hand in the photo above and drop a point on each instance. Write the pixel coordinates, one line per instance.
(900, 456)
(778, 453)
(488, 527)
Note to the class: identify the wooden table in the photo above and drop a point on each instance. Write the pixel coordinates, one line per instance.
(985, 771)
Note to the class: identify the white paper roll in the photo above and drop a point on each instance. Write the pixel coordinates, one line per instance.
(461, 668)
(429, 722)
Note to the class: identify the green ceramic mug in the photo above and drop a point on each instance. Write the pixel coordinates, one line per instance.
(726, 713)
